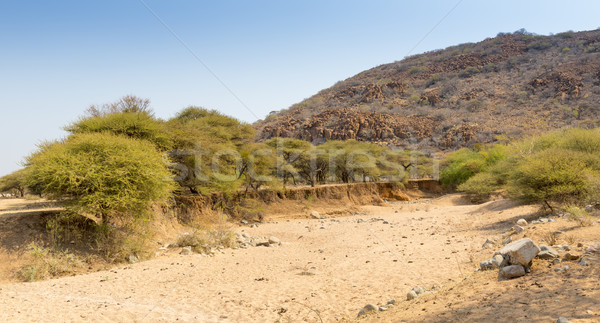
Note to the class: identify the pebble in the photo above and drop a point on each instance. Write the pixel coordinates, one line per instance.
(411, 295)
(186, 251)
(522, 222)
(512, 271)
(368, 309)
(562, 319)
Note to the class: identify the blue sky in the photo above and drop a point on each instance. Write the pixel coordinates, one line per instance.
(59, 57)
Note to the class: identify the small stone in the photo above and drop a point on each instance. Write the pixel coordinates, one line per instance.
(522, 222)
(383, 308)
(368, 309)
(518, 228)
(498, 261)
(589, 208)
(571, 256)
(488, 244)
(411, 295)
(547, 252)
(419, 290)
(558, 269)
(391, 301)
(512, 271)
(254, 226)
(244, 222)
(556, 261)
(133, 259)
(315, 215)
(551, 220)
(562, 319)
(486, 265)
(274, 240)
(507, 240)
(579, 245)
(186, 251)
(583, 262)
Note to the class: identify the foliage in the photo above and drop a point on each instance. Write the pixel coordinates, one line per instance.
(138, 125)
(46, 263)
(102, 175)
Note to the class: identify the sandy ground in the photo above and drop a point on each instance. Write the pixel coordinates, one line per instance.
(324, 270)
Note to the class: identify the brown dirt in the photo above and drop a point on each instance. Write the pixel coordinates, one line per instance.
(330, 269)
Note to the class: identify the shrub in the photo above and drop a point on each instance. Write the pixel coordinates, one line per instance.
(539, 45)
(554, 174)
(480, 186)
(46, 264)
(460, 166)
(468, 72)
(102, 175)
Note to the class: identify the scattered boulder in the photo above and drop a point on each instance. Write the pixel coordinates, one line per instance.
(547, 252)
(512, 271)
(522, 222)
(368, 309)
(520, 252)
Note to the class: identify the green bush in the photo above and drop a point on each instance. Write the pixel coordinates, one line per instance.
(460, 166)
(102, 175)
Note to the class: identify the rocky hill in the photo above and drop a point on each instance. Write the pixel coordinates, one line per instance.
(500, 88)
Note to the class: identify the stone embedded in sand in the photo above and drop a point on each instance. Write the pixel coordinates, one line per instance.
(368, 309)
(488, 244)
(518, 228)
(520, 252)
(392, 301)
(589, 208)
(411, 295)
(522, 222)
(512, 271)
(419, 290)
(547, 252)
(562, 319)
(315, 215)
(571, 256)
(133, 259)
(186, 251)
(274, 240)
(507, 240)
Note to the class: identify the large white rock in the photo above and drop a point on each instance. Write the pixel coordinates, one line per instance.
(520, 252)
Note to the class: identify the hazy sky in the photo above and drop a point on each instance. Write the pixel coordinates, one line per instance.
(58, 57)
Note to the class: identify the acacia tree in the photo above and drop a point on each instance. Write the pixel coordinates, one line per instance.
(101, 175)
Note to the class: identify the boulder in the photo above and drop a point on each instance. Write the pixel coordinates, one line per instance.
(520, 252)
(368, 309)
(512, 271)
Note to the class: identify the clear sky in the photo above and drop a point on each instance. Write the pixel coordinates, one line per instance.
(58, 57)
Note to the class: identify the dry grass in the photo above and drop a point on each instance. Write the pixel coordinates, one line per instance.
(46, 263)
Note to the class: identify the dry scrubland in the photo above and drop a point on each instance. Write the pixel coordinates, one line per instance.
(329, 269)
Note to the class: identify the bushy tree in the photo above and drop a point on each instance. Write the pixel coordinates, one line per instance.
(14, 182)
(102, 175)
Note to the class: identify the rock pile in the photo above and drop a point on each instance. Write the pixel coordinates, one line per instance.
(514, 259)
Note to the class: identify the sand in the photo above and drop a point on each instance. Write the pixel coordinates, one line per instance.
(324, 270)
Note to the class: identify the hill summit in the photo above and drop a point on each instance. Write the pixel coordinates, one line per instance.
(501, 88)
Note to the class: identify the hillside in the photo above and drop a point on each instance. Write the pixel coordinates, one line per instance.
(500, 88)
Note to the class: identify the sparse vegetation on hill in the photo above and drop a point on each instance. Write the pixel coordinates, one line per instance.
(506, 87)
